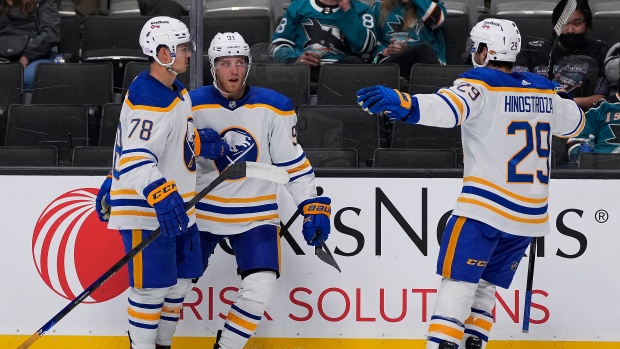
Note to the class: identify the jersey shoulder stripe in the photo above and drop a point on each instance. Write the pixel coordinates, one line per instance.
(496, 80)
(276, 100)
(147, 93)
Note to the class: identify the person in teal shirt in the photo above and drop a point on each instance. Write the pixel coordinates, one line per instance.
(421, 20)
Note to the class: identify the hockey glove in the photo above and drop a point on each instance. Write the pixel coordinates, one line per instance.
(211, 145)
(376, 99)
(169, 207)
(316, 213)
(102, 202)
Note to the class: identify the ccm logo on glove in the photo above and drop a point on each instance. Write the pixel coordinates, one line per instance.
(161, 192)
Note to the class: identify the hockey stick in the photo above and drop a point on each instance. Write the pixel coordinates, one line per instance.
(240, 169)
(567, 13)
(323, 253)
(527, 305)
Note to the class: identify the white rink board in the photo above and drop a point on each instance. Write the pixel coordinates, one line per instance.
(576, 301)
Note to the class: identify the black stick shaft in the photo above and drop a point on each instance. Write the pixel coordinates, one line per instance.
(237, 169)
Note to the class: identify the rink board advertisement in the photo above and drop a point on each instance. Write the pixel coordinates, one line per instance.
(384, 236)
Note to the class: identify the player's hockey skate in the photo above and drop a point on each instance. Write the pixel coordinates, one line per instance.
(473, 343)
(447, 345)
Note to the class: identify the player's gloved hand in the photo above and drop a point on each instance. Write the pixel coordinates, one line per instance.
(211, 145)
(102, 202)
(316, 213)
(376, 99)
(169, 207)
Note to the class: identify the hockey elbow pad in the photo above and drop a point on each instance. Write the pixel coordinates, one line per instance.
(169, 207)
(317, 213)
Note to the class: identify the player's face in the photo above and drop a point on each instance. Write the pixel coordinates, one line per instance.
(181, 62)
(576, 24)
(230, 72)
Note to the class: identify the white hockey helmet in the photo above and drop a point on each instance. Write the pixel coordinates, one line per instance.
(501, 36)
(612, 65)
(166, 31)
(227, 45)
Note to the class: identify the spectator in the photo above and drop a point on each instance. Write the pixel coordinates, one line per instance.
(29, 32)
(421, 20)
(316, 32)
(603, 120)
(577, 60)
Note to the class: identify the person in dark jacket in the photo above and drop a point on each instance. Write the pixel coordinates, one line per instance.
(37, 22)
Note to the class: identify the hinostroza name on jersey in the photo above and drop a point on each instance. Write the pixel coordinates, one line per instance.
(528, 104)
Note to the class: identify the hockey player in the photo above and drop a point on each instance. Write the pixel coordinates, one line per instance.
(154, 172)
(260, 126)
(507, 120)
(315, 32)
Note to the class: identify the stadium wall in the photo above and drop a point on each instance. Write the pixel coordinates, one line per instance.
(386, 227)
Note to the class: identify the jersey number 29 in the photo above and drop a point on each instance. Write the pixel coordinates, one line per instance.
(539, 137)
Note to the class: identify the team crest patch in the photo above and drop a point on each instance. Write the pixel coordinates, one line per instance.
(243, 147)
(514, 266)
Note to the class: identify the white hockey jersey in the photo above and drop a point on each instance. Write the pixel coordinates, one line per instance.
(155, 139)
(261, 127)
(506, 124)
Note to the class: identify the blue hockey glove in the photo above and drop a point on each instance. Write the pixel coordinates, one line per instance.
(211, 145)
(316, 213)
(102, 202)
(376, 99)
(169, 207)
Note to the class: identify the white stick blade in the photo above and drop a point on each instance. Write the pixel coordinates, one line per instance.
(267, 172)
(569, 9)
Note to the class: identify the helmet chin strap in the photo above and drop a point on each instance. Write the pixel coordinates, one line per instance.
(168, 66)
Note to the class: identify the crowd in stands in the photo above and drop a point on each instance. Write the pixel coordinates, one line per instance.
(317, 33)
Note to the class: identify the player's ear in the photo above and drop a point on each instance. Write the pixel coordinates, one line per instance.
(163, 54)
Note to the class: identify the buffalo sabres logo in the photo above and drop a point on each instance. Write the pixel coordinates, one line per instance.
(189, 155)
(243, 147)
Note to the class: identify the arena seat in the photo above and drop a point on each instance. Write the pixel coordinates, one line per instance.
(341, 127)
(29, 156)
(332, 158)
(457, 26)
(599, 161)
(413, 136)
(338, 83)
(110, 116)
(415, 158)
(62, 126)
(292, 81)
(532, 18)
(93, 156)
(606, 22)
(69, 44)
(10, 91)
(428, 78)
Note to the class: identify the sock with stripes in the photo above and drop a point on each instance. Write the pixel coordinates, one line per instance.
(452, 307)
(144, 312)
(480, 319)
(255, 294)
(171, 311)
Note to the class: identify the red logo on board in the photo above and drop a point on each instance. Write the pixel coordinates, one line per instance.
(71, 248)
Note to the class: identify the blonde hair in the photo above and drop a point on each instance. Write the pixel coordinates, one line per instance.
(411, 15)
